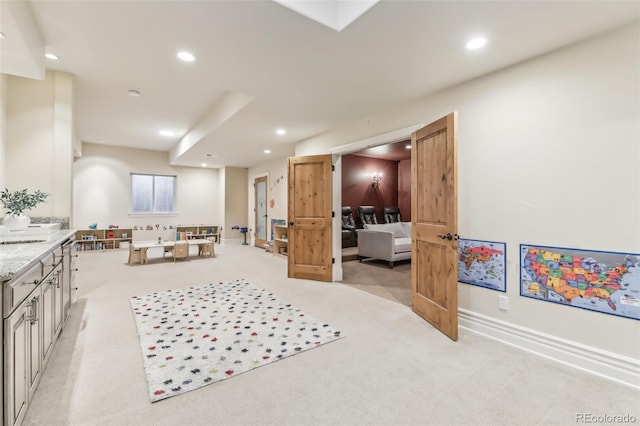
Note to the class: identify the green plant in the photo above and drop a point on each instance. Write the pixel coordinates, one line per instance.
(18, 201)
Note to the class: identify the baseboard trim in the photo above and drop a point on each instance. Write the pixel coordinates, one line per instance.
(609, 365)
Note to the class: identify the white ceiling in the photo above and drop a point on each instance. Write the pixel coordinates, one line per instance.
(261, 66)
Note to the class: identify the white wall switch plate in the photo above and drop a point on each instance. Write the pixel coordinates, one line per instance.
(503, 303)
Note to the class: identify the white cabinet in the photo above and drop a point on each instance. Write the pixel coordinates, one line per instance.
(33, 307)
(51, 319)
(68, 277)
(22, 355)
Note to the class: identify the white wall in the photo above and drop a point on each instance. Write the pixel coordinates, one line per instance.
(39, 139)
(63, 140)
(3, 128)
(235, 202)
(276, 172)
(222, 180)
(548, 154)
(102, 189)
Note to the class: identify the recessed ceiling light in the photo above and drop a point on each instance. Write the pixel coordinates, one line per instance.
(51, 56)
(2, 35)
(168, 133)
(204, 164)
(408, 146)
(476, 43)
(281, 132)
(267, 151)
(134, 93)
(186, 56)
(212, 155)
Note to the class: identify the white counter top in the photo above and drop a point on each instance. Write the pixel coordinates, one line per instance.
(17, 257)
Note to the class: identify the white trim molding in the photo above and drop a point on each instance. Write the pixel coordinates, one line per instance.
(606, 364)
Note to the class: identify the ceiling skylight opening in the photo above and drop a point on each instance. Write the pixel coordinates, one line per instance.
(267, 151)
(51, 56)
(281, 132)
(476, 43)
(167, 133)
(186, 56)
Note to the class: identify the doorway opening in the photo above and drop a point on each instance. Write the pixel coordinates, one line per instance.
(377, 173)
(433, 227)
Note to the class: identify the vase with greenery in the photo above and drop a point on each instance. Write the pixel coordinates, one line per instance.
(16, 203)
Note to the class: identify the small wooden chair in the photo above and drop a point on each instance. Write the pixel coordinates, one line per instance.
(206, 249)
(138, 255)
(181, 251)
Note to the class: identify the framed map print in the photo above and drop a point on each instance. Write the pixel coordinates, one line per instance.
(483, 263)
(607, 282)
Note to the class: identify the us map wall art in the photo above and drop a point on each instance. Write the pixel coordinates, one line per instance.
(607, 282)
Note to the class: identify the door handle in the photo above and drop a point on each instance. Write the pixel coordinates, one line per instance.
(449, 237)
(290, 223)
(33, 315)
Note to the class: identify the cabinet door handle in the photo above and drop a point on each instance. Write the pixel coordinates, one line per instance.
(33, 317)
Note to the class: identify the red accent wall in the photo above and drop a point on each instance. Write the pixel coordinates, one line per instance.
(356, 184)
(404, 189)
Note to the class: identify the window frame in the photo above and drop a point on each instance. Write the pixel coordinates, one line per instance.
(153, 213)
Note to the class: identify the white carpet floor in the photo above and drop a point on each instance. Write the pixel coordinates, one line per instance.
(391, 368)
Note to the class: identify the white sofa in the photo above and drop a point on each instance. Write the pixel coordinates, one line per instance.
(388, 241)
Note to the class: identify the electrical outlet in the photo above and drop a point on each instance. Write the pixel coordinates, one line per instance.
(503, 303)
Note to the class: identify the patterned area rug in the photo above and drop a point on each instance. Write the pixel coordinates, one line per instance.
(196, 336)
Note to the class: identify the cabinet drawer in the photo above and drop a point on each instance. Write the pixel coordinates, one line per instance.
(16, 290)
(50, 261)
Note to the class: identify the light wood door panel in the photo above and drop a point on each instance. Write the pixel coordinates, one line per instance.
(309, 216)
(434, 273)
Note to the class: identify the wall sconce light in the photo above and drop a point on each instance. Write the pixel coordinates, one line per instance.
(377, 178)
